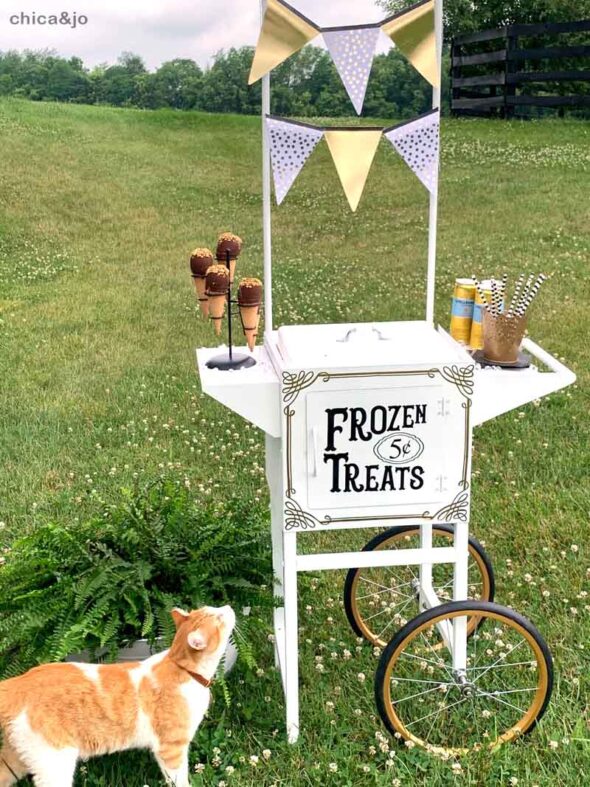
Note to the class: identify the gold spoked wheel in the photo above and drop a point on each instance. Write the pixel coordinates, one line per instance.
(502, 694)
(380, 600)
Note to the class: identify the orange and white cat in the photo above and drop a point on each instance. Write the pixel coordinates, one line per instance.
(56, 714)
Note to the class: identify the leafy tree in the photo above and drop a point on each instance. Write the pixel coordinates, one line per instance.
(464, 16)
(225, 84)
(179, 83)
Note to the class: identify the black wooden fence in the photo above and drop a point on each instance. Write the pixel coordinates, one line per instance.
(518, 68)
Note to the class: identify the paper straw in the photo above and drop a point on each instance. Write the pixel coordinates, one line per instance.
(495, 298)
(481, 294)
(525, 290)
(514, 300)
(534, 291)
(503, 287)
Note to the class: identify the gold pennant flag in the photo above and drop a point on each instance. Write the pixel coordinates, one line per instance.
(284, 32)
(353, 152)
(412, 31)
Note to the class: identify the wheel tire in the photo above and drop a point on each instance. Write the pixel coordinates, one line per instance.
(403, 636)
(379, 541)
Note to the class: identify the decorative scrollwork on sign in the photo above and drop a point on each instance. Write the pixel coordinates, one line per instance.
(462, 377)
(294, 383)
(289, 413)
(464, 483)
(455, 511)
(298, 519)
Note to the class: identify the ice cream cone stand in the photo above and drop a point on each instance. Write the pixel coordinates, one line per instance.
(370, 425)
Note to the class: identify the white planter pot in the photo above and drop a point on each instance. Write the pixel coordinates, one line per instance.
(140, 650)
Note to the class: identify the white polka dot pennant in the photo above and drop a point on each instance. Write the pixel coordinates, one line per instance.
(353, 51)
(291, 144)
(417, 142)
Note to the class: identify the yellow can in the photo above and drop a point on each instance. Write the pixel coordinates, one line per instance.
(462, 310)
(476, 338)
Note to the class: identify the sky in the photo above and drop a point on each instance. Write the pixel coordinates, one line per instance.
(161, 30)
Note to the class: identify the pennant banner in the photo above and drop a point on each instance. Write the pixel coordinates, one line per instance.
(353, 51)
(417, 142)
(284, 32)
(353, 152)
(412, 31)
(291, 144)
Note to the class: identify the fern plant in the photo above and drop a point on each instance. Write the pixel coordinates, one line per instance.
(114, 578)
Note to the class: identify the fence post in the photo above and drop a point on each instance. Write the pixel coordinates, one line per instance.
(510, 67)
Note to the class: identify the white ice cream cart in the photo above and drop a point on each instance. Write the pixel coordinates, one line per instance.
(370, 425)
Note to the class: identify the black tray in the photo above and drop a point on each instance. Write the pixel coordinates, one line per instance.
(523, 361)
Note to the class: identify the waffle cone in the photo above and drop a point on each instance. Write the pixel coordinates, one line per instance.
(216, 305)
(200, 287)
(232, 270)
(250, 316)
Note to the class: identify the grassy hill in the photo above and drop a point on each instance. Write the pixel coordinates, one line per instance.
(99, 209)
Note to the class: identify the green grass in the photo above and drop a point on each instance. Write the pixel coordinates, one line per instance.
(99, 211)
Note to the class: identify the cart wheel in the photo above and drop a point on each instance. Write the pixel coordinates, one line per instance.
(379, 600)
(501, 695)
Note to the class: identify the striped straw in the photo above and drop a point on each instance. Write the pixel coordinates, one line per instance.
(525, 290)
(532, 294)
(496, 297)
(503, 288)
(480, 292)
(514, 300)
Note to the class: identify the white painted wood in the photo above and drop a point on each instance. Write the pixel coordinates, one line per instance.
(274, 477)
(291, 636)
(253, 393)
(384, 345)
(279, 630)
(410, 462)
(266, 197)
(498, 391)
(433, 205)
(460, 593)
(426, 590)
(393, 557)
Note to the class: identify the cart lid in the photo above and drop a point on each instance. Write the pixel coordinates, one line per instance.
(367, 344)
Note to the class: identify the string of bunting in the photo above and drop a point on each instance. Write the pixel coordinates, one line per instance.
(353, 151)
(285, 31)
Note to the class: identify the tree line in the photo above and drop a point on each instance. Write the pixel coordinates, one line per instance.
(306, 85)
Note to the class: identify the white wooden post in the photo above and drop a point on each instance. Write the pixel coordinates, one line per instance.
(266, 199)
(291, 635)
(274, 476)
(433, 217)
(460, 593)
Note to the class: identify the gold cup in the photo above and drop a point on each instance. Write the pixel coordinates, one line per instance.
(502, 337)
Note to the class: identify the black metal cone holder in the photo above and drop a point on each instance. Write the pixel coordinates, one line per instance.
(231, 360)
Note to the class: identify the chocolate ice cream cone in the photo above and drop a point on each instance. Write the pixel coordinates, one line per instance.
(200, 262)
(249, 301)
(201, 295)
(229, 244)
(217, 310)
(217, 287)
(250, 321)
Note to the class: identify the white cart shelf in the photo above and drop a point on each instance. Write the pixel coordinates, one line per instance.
(497, 391)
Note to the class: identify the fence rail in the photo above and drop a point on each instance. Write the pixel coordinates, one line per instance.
(524, 76)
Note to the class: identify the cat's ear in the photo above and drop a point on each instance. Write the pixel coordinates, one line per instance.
(196, 640)
(179, 616)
